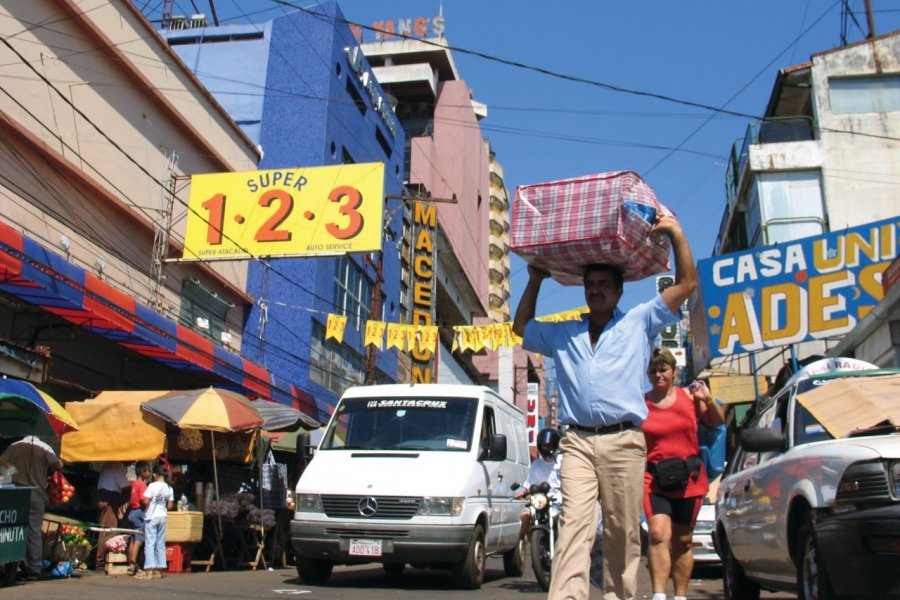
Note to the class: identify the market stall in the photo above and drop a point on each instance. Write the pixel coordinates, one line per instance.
(211, 411)
(24, 411)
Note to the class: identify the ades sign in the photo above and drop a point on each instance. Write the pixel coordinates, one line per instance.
(813, 288)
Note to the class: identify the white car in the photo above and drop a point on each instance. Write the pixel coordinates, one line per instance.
(811, 504)
(704, 549)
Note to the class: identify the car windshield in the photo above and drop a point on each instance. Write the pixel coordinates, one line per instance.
(434, 424)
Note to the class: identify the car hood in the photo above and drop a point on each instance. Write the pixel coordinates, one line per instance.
(881, 446)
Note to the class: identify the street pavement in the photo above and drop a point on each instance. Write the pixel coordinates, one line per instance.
(347, 583)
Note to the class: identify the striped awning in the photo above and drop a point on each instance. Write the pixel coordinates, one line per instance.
(36, 275)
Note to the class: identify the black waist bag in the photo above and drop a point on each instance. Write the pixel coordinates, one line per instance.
(672, 474)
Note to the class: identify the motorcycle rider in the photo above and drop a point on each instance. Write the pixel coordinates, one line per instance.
(546, 466)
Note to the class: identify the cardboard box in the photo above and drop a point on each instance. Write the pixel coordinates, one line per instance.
(116, 569)
(116, 557)
(562, 226)
(184, 526)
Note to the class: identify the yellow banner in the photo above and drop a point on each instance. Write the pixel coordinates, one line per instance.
(374, 334)
(285, 212)
(334, 327)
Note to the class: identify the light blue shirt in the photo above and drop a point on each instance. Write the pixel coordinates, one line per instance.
(603, 385)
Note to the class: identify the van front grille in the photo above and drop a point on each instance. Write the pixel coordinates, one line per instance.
(386, 534)
(370, 507)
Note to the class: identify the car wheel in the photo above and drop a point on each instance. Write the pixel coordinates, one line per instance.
(734, 580)
(314, 571)
(812, 580)
(468, 574)
(394, 569)
(514, 560)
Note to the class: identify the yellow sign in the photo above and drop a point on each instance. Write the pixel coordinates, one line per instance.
(285, 212)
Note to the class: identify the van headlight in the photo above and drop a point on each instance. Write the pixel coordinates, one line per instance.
(311, 503)
(432, 506)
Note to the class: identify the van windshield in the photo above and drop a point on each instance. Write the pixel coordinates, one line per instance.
(438, 424)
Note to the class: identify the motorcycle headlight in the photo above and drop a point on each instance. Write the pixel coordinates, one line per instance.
(441, 505)
(538, 501)
(311, 503)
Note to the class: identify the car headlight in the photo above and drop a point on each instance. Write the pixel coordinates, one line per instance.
(866, 482)
(538, 501)
(432, 506)
(311, 503)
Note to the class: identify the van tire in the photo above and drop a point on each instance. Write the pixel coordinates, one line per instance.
(468, 574)
(314, 571)
(514, 560)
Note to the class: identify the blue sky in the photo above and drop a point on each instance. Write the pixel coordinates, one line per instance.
(545, 127)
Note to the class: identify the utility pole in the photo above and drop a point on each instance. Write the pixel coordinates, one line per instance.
(870, 19)
(378, 265)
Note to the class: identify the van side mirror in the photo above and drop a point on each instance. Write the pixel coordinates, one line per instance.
(496, 449)
(763, 439)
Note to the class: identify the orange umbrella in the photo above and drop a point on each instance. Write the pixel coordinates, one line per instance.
(210, 409)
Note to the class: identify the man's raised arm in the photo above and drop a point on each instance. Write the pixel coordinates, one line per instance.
(528, 301)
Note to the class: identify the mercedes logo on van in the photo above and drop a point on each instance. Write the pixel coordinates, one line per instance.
(368, 506)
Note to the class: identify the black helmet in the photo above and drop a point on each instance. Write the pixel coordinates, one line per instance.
(547, 441)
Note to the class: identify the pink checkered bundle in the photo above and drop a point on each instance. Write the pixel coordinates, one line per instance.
(561, 226)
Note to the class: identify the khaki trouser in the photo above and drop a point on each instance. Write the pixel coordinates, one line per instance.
(609, 466)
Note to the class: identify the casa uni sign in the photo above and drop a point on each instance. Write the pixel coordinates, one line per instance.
(812, 288)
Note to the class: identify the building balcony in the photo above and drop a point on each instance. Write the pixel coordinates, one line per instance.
(776, 144)
(499, 204)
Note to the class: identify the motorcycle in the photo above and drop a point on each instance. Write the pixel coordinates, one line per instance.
(545, 509)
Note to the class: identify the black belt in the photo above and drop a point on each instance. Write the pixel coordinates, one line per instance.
(601, 429)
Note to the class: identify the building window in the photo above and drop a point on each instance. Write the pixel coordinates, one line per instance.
(785, 207)
(864, 94)
(353, 293)
(203, 310)
(333, 365)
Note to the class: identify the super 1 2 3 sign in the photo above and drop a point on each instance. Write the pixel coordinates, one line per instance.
(285, 212)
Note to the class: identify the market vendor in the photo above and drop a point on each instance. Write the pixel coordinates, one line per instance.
(32, 458)
(113, 491)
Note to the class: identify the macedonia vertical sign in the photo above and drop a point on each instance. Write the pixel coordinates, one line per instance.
(813, 288)
(311, 211)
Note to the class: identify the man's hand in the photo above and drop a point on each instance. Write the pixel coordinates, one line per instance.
(666, 224)
(537, 273)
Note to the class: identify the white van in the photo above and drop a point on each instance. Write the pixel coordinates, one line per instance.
(419, 474)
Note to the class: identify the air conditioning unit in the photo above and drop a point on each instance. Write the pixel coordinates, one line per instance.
(226, 337)
(664, 281)
(202, 323)
(198, 20)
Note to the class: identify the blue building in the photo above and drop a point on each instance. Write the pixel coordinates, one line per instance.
(300, 88)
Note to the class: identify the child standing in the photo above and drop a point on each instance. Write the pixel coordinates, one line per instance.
(136, 512)
(158, 501)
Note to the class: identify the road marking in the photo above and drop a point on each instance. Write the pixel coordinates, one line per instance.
(292, 592)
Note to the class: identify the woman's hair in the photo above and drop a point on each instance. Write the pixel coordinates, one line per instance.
(160, 469)
(662, 356)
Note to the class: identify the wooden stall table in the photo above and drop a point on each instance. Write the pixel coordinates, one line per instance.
(252, 543)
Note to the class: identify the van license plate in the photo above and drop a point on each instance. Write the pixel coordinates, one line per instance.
(365, 547)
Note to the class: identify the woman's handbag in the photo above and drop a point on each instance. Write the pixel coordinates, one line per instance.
(672, 474)
(713, 441)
